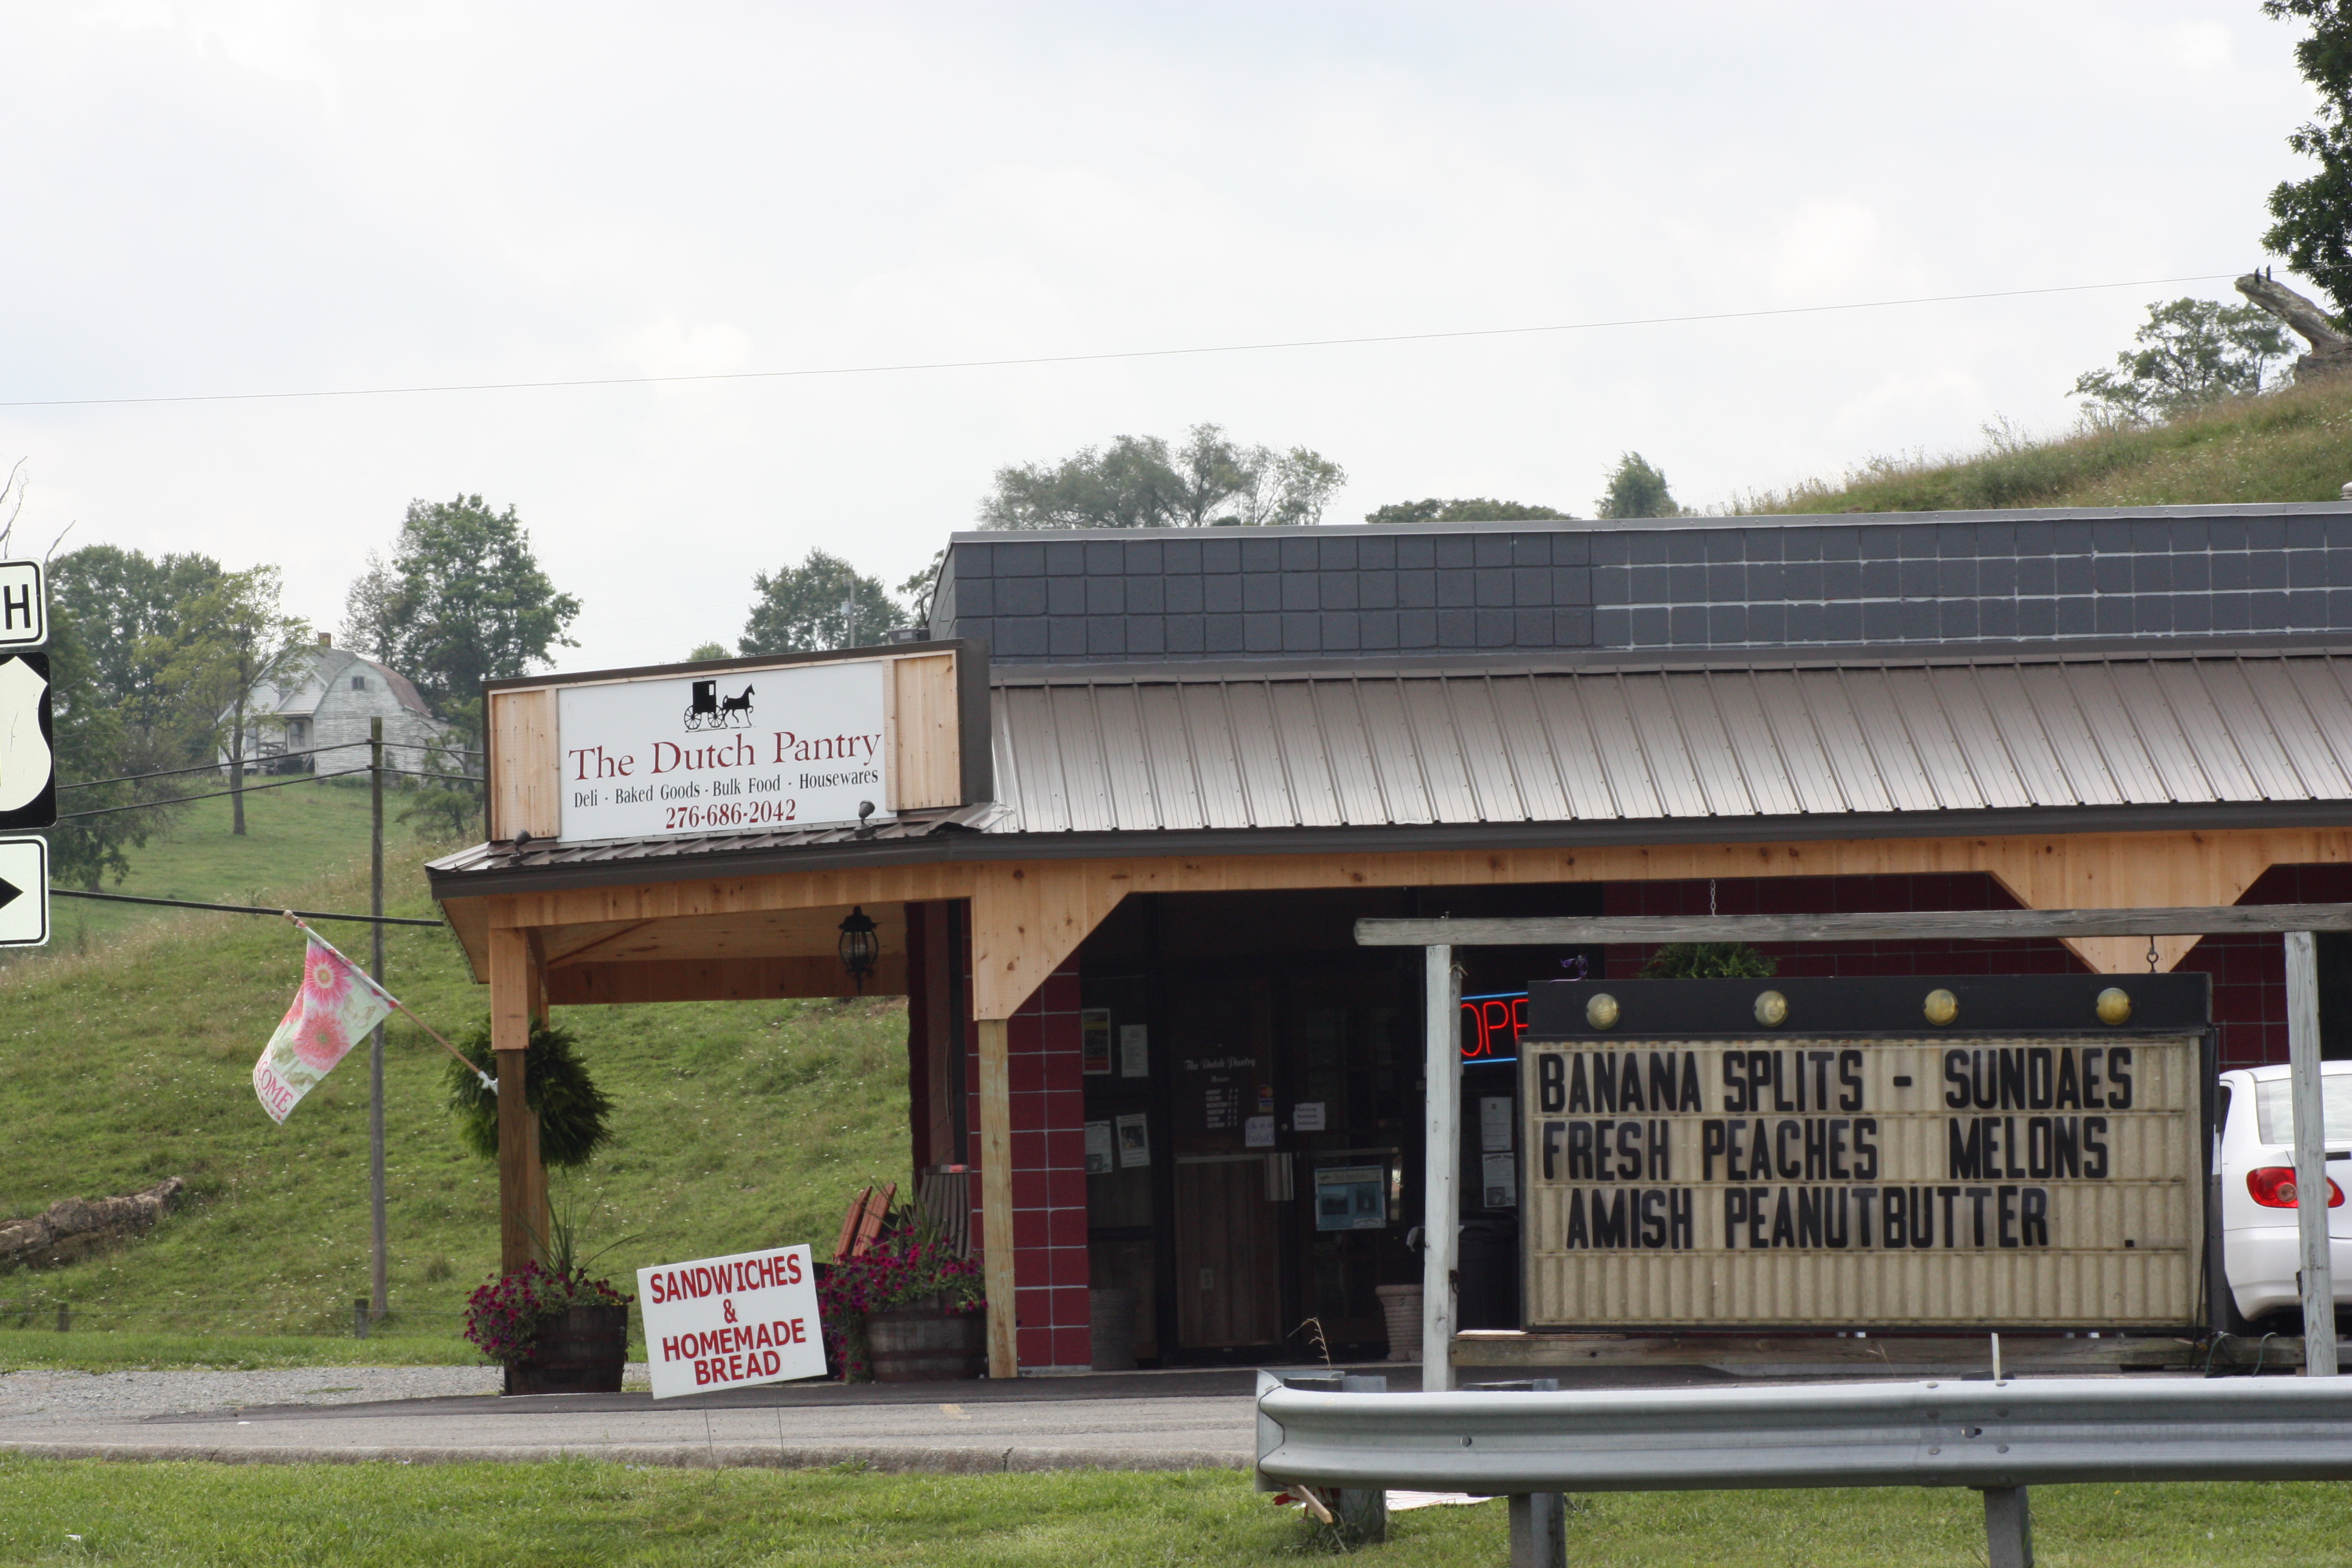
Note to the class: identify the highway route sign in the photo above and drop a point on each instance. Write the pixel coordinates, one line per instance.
(24, 892)
(28, 774)
(23, 607)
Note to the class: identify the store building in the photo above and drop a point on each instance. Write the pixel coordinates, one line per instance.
(1130, 797)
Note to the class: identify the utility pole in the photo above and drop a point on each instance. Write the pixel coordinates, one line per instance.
(379, 1300)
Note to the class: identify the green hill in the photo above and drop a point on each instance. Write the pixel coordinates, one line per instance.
(737, 1125)
(2290, 445)
(292, 834)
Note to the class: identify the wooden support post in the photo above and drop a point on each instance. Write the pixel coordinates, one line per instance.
(2313, 1251)
(542, 1216)
(1441, 1234)
(511, 988)
(999, 1275)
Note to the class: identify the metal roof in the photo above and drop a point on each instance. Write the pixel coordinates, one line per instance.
(1107, 760)
(546, 853)
(1241, 749)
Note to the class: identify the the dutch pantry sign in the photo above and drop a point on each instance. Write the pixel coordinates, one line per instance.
(786, 747)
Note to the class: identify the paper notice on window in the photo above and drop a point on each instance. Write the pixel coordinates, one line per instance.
(1134, 1141)
(1499, 1181)
(1098, 1149)
(1257, 1132)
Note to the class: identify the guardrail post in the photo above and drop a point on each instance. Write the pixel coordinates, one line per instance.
(2316, 1276)
(2008, 1528)
(1539, 1531)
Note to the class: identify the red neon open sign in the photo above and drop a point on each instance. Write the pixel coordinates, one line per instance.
(1492, 1026)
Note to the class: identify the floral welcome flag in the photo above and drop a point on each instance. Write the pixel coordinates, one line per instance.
(337, 1006)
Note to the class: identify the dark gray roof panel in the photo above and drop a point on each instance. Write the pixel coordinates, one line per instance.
(1994, 578)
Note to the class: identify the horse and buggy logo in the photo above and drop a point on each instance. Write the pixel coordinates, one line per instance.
(709, 711)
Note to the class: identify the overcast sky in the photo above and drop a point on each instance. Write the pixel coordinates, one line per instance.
(214, 198)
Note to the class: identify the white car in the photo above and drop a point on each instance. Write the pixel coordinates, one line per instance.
(2254, 1156)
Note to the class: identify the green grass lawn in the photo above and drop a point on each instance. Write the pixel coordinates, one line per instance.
(586, 1512)
(129, 1351)
(737, 1125)
(2290, 445)
(293, 836)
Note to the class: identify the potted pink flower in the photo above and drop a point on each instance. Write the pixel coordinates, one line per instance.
(908, 1310)
(555, 1330)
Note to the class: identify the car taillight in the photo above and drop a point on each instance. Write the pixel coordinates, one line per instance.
(2272, 1186)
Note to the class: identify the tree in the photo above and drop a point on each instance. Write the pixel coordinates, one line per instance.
(90, 742)
(918, 589)
(703, 650)
(1636, 490)
(1139, 482)
(2313, 231)
(2192, 351)
(234, 637)
(462, 601)
(820, 604)
(1463, 508)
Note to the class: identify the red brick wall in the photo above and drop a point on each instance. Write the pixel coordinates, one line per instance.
(1049, 1173)
(2249, 972)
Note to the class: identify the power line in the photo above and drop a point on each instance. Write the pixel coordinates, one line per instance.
(205, 767)
(239, 909)
(249, 789)
(1098, 358)
(280, 756)
(183, 799)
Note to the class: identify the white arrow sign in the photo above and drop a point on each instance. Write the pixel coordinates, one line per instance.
(24, 608)
(24, 892)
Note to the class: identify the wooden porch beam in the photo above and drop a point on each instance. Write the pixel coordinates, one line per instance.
(718, 980)
(1953, 925)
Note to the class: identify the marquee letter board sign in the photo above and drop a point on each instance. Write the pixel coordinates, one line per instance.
(1970, 1150)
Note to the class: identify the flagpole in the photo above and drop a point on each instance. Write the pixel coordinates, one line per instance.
(379, 1288)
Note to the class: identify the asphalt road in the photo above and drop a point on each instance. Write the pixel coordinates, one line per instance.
(1170, 1420)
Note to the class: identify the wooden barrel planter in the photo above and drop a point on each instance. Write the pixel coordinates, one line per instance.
(579, 1353)
(926, 1344)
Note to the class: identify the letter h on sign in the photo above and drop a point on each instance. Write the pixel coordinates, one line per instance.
(24, 608)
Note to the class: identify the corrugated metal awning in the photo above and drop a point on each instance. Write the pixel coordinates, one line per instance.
(1179, 754)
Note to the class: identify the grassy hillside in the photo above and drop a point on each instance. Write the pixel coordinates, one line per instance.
(292, 834)
(2292, 446)
(738, 1124)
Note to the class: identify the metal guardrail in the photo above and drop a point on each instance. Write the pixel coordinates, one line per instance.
(1997, 1437)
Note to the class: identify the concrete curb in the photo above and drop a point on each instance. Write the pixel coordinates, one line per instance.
(888, 1458)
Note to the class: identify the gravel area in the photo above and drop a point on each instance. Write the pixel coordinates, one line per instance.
(37, 1396)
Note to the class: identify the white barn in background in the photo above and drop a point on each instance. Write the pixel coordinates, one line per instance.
(326, 696)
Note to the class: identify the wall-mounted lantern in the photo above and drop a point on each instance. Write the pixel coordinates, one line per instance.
(859, 946)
